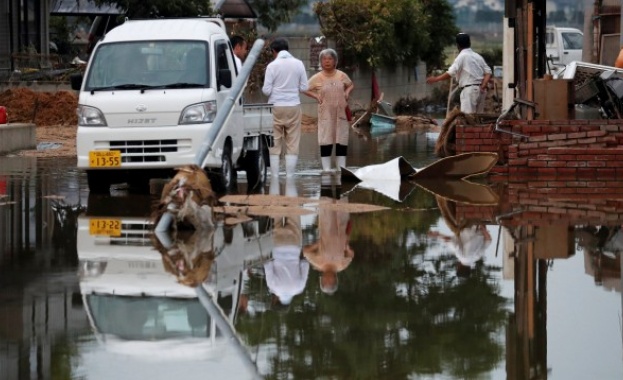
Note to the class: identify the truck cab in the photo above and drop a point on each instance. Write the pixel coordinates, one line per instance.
(563, 45)
(150, 94)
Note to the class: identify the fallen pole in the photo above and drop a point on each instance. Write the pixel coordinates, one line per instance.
(222, 115)
(226, 328)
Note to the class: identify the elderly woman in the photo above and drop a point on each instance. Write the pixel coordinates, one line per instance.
(331, 88)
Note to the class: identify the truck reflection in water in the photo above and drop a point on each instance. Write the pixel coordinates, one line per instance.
(149, 301)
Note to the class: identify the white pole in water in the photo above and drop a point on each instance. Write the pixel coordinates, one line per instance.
(226, 328)
(222, 115)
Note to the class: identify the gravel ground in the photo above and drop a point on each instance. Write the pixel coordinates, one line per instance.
(61, 139)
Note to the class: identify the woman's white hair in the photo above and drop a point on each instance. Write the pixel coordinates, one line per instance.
(330, 52)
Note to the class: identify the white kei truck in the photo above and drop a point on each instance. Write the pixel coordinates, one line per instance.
(563, 45)
(150, 94)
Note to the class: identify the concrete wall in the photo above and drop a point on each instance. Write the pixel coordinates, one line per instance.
(17, 136)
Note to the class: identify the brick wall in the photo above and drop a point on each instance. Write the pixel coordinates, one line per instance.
(567, 149)
(562, 172)
(542, 202)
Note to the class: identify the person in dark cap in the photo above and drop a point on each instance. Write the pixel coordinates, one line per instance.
(472, 73)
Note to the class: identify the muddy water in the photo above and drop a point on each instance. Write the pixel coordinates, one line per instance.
(505, 281)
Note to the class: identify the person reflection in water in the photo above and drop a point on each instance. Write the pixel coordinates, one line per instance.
(469, 245)
(331, 253)
(286, 274)
(602, 245)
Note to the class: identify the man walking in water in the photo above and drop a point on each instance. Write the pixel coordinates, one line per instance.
(472, 73)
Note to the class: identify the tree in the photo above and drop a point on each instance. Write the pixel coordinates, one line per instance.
(273, 13)
(442, 30)
(389, 32)
(161, 8)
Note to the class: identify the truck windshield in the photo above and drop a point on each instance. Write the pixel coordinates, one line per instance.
(149, 64)
(148, 318)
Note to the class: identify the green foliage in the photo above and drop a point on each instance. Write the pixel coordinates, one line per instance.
(162, 8)
(272, 13)
(60, 32)
(493, 56)
(385, 33)
(442, 30)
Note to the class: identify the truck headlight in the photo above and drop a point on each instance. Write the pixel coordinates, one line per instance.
(89, 268)
(199, 113)
(90, 117)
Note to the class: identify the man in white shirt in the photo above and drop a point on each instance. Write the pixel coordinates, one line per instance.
(284, 80)
(472, 73)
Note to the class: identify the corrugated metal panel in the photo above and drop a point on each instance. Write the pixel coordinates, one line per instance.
(5, 38)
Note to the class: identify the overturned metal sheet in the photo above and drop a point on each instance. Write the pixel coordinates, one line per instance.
(396, 169)
(459, 190)
(459, 166)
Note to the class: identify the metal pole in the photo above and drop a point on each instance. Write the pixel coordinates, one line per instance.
(222, 115)
(226, 328)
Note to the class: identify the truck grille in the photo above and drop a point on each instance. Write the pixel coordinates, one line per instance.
(146, 150)
(133, 234)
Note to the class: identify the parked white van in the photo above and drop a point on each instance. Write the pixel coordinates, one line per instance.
(563, 45)
(149, 95)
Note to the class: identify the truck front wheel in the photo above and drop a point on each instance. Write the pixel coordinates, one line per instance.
(99, 181)
(226, 178)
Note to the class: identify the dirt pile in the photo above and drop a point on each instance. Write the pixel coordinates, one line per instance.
(408, 123)
(43, 108)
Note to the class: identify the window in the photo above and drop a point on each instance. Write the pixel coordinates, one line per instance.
(222, 61)
(572, 41)
(549, 39)
(149, 63)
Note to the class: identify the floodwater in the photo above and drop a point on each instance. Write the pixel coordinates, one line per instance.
(451, 281)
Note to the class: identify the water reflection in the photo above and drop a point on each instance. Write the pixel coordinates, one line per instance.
(543, 301)
(286, 274)
(469, 241)
(602, 248)
(157, 302)
(331, 253)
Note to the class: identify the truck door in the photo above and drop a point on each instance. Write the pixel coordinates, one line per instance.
(571, 45)
(224, 69)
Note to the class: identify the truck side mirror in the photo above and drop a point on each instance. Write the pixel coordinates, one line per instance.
(76, 81)
(224, 78)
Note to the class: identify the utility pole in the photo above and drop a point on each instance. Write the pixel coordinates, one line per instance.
(587, 51)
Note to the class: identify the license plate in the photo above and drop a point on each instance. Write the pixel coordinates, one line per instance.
(108, 227)
(104, 158)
